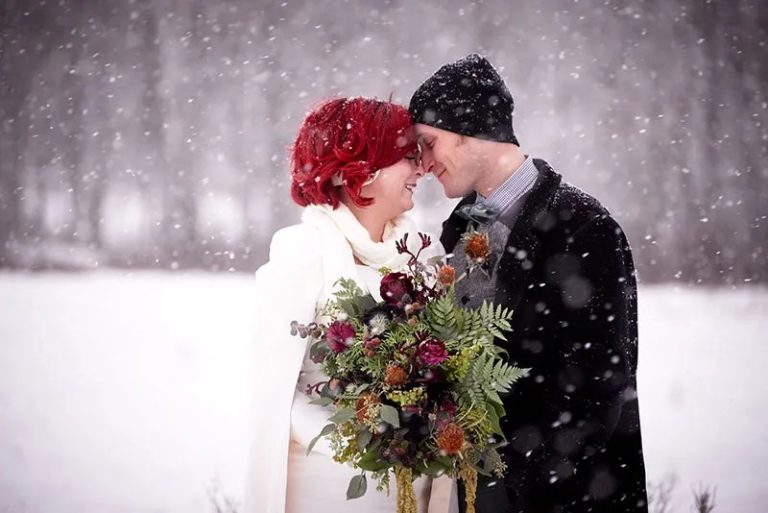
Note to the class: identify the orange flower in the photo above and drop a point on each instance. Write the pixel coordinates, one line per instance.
(446, 275)
(370, 345)
(395, 376)
(450, 439)
(477, 246)
(364, 404)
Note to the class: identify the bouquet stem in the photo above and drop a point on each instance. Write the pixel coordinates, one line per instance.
(469, 476)
(406, 498)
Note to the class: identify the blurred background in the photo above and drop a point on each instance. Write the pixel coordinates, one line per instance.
(145, 142)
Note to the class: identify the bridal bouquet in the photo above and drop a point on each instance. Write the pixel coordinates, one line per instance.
(414, 380)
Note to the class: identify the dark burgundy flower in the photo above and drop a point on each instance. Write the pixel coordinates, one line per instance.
(448, 406)
(397, 289)
(431, 352)
(446, 413)
(339, 336)
(402, 244)
(397, 450)
(426, 240)
(427, 375)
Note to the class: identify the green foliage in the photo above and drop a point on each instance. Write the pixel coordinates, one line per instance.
(370, 460)
(342, 415)
(364, 437)
(481, 325)
(474, 370)
(488, 376)
(444, 316)
(390, 415)
(357, 487)
(351, 299)
(327, 430)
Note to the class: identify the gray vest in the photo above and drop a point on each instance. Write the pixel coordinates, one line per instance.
(480, 284)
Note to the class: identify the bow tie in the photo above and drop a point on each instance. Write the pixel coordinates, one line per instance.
(478, 213)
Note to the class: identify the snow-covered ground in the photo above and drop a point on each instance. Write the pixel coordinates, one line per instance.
(127, 392)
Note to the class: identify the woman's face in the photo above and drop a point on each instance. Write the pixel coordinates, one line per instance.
(392, 190)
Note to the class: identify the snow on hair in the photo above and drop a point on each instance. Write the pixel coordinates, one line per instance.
(351, 139)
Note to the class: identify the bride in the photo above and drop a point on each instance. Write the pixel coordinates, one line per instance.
(354, 167)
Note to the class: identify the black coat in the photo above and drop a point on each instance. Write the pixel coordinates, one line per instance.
(573, 425)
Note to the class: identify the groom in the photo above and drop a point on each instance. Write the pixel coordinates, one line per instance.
(564, 265)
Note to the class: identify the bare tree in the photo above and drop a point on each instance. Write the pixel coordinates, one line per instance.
(704, 498)
(28, 34)
(660, 494)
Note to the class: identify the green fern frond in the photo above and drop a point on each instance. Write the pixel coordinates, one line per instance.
(444, 316)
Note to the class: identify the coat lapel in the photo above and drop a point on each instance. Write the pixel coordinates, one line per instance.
(524, 240)
(455, 226)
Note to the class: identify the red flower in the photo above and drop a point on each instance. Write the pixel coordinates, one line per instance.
(450, 439)
(448, 406)
(397, 289)
(339, 336)
(431, 352)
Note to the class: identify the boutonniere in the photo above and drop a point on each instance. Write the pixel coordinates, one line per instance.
(477, 250)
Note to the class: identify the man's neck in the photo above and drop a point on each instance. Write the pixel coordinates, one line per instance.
(502, 165)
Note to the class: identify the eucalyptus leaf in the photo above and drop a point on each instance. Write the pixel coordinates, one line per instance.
(480, 470)
(390, 415)
(327, 430)
(357, 487)
(322, 401)
(364, 437)
(433, 468)
(318, 350)
(343, 415)
(370, 460)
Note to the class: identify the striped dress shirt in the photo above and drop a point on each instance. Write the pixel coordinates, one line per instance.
(509, 194)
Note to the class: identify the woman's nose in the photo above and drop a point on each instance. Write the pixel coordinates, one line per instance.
(418, 169)
(425, 162)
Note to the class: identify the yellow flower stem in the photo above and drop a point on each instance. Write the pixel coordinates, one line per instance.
(406, 498)
(469, 476)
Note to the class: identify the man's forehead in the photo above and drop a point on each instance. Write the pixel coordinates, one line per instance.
(421, 129)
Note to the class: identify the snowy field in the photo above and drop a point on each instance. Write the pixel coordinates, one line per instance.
(128, 392)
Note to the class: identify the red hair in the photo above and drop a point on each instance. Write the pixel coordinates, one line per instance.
(351, 137)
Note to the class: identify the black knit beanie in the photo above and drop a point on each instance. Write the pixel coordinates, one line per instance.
(467, 97)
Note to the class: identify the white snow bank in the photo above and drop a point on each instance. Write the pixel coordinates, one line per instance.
(129, 393)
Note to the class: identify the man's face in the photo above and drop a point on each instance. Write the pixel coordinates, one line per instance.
(450, 157)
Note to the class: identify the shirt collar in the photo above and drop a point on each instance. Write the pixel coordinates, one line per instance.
(514, 188)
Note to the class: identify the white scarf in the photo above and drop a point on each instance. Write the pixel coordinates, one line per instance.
(373, 254)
